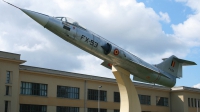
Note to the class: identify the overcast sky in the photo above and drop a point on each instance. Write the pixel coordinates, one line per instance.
(150, 29)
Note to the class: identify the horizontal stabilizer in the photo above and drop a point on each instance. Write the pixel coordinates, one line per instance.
(107, 65)
(185, 62)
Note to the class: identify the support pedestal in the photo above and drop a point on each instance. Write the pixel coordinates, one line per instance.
(128, 94)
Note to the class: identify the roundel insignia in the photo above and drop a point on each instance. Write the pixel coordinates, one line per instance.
(116, 52)
(110, 65)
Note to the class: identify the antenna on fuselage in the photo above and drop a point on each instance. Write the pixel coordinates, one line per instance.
(11, 4)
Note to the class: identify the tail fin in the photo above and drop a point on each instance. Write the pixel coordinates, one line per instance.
(173, 65)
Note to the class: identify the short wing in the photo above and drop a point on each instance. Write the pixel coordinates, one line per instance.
(106, 64)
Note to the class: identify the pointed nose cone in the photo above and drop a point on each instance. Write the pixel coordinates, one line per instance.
(38, 17)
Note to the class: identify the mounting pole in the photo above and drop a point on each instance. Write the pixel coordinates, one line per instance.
(129, 101)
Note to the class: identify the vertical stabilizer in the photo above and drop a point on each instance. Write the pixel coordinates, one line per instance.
(173, 65)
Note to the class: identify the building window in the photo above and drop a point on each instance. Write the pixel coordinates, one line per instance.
(67, 109)
(116, 97)
(32, 108)
(96, 110)
(195, 103)
(145, 99)
(192, 102)
(6, 106)
(161, 101)
(116, 110)
(93, 95)
(199, 103)
(68, 92)
(8, 77)
(28, 88)
(7, 90)
(188, 102)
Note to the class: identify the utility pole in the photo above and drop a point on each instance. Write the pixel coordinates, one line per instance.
(99, 98)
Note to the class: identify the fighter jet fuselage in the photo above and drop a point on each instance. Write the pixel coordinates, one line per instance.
(164, 73)
(111, 54)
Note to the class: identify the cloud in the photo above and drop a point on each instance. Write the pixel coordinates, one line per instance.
(180, 0)
(164, 17)
(126, 23)
(188, 30)
(92, 67)
(193, 4)
(197, 86)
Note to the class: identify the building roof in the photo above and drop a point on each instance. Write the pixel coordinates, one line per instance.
(86, 77)
(9, 55)
(183, 88)
(12, 57)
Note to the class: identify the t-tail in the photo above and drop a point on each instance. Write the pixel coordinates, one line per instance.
(173, 65)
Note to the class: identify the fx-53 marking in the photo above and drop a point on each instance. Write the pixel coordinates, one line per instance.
(91, 42)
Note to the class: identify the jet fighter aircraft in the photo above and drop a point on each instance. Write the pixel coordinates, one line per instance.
(164, 73)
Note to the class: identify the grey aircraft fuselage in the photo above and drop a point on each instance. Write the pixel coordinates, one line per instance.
(112, 54)
(92, 43)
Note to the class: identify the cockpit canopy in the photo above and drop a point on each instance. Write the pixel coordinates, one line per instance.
(69, 20)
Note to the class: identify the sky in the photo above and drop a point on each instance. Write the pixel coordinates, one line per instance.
(149, 29)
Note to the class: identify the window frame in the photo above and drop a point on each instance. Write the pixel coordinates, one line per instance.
(31, 108)
(7, 90)
(116, 96)
(189, 102)
(8, 77)
(116, 110)
(35, 89)
(165, 101)
(192, 103)
(6, 106)
(144, 99)
(67, 109)
(96, 110)
(92, 94)
(68, 92)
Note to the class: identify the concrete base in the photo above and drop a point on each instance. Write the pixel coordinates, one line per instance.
(128, 94)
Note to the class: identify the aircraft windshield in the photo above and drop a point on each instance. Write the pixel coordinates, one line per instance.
(69, 20)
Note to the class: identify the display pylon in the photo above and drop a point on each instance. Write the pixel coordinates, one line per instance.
(128, 94)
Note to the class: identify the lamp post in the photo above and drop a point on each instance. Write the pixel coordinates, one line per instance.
(197, 105)
(99, 98)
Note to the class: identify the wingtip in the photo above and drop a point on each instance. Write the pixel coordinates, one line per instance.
(11, 4)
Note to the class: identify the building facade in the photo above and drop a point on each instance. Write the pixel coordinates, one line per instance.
(32, 89)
